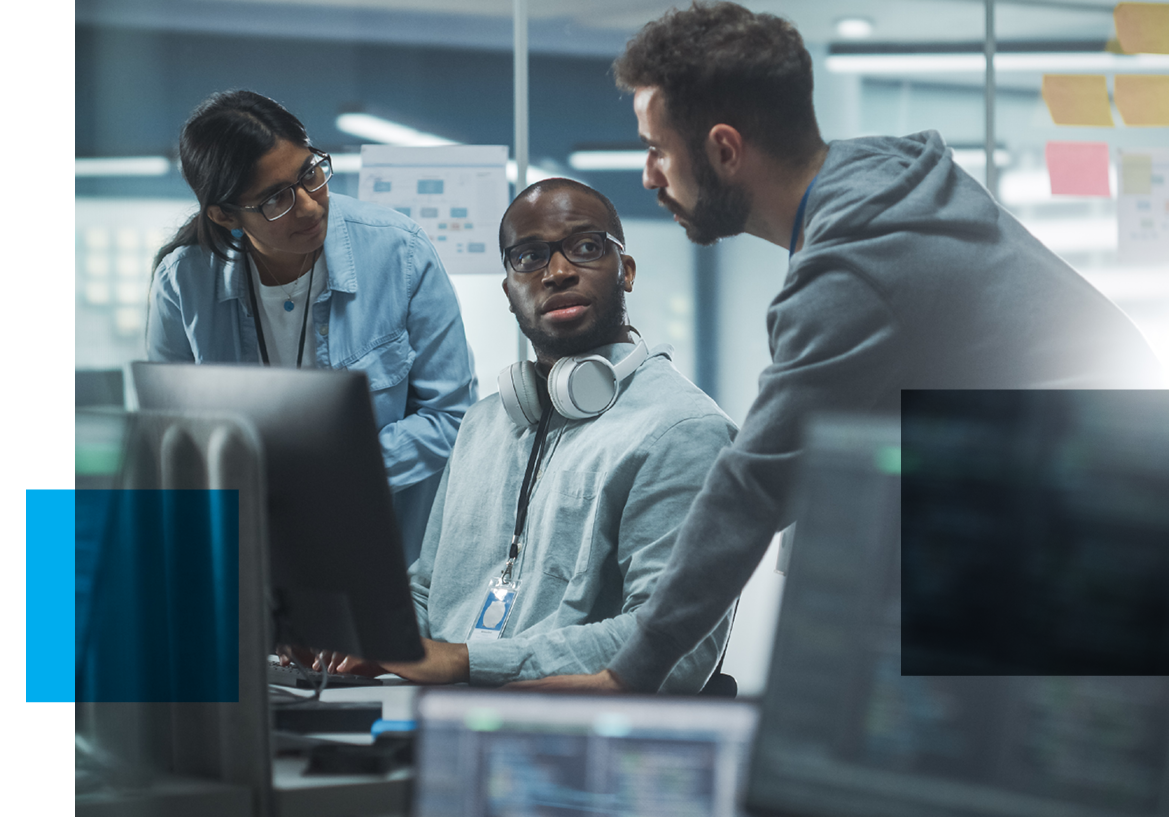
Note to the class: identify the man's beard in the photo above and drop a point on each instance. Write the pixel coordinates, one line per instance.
(720, 211)
(605, 329)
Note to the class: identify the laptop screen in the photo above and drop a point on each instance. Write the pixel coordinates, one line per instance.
(497, 753)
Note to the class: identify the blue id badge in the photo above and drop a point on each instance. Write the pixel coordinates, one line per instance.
(496, 608)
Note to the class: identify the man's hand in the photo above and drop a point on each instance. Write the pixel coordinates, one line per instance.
(286, 651)
(444, 664)
(603, 681)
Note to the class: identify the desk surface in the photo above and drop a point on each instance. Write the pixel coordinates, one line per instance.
(295, 795)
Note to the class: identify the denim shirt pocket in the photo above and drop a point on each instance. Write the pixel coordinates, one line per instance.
(387, 366)
(571, 523)
(387, 363)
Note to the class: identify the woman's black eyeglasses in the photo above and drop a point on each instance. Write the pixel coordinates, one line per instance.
(280, 203)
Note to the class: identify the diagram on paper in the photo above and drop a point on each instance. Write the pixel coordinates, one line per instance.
(457, 194)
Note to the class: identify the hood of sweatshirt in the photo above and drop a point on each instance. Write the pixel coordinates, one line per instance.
(881, 185)
(904, 247)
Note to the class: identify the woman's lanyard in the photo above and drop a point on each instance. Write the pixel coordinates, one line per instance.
(526, 490)
(256, 312)
(800, 219)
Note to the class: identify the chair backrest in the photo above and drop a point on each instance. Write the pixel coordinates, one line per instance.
(721, 685)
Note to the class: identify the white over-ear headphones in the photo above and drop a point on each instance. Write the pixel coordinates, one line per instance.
(580, 387)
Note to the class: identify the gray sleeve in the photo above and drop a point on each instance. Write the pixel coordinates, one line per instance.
(835, 346)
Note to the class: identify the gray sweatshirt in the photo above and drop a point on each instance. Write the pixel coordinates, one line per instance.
(911, 277)
(609, 495)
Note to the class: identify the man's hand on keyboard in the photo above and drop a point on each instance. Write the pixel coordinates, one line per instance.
(305, 656)
(339, 662)
(330, 661)
(444, 664)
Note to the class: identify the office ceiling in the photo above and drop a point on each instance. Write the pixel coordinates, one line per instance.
(445, 67)
(596, 27)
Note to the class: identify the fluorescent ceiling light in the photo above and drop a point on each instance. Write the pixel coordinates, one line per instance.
(607, 160)
(1075, 235)
(854, 28)
(1033, 186)
(535, 173)
(381, 130)
(122, 166)
(1003, 63)
(346, 162)
(977, 156)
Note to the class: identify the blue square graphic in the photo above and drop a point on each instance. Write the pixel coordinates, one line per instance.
(157, 595)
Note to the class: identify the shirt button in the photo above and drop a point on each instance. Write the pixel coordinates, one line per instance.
(324, 330)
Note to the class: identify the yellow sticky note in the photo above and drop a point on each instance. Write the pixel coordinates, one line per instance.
(1142, 28)
(1136, 174)
(1077, 99)
(1143, 99)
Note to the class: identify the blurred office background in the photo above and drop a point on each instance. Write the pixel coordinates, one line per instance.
(444, 68)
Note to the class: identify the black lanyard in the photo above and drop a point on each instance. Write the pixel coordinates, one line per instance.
(528, 487)
(256, 313)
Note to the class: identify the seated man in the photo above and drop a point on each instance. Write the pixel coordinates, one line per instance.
(500, 600)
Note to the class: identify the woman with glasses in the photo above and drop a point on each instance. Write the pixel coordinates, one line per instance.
(273, 270)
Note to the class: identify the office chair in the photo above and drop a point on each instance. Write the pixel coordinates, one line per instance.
(720, 684)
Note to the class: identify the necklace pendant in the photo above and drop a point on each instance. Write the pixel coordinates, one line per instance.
(289, 305)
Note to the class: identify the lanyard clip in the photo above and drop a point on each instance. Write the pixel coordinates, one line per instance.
(512, 552)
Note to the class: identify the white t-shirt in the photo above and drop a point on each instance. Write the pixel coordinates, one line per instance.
(282, 326)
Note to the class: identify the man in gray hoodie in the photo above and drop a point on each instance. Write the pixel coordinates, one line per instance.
(904, 274)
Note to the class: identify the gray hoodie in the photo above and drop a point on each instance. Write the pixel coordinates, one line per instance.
(911, 277)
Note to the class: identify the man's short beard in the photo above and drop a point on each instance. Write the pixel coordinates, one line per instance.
(721, 210)
(606, 329)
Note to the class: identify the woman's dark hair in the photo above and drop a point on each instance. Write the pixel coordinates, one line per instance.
(721, 63)
(219, 146)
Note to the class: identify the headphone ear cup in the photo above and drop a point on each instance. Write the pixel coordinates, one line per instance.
(582, 387)
(520, 395)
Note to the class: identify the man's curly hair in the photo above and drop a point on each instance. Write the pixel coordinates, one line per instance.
(721, 63)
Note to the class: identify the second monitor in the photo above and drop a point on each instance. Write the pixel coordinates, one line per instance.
(338, 574)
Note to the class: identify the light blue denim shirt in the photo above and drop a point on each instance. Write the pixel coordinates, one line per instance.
(609, 495)
(388, 309)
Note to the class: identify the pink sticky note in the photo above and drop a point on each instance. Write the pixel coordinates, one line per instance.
(1078, 168)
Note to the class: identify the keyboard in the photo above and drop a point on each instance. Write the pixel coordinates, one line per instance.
(293, 677)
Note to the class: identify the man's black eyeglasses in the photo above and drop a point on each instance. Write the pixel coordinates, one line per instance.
(579, 248)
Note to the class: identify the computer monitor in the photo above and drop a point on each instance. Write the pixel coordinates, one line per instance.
(1035, 533)
(492, 752)
(844, 733)
(338, 576)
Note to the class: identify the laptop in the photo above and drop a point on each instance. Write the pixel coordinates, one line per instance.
(493, 752)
